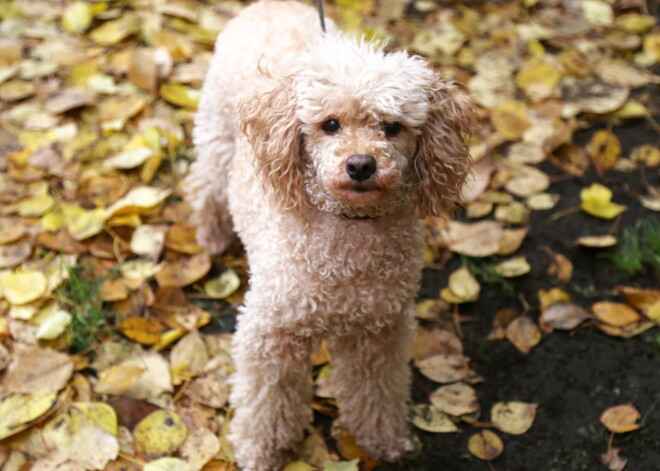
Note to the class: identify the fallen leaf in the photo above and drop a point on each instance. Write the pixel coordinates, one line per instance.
(430, 419)
(613, 460)
(597, 241)
(200, 447)
(118, 379)
(148, 241)
(455, 399)
(444, 367)
(160, 433)
(223, 286)
(563, 316)
(22, 287)
(604, 149)
(184, 271)
(523, 333)
(35, 371)
(77, 17)
(13, 254)
(513, 417)
(510, 119)
(480, 239)
(597, 201)
(143, 330)
(621, 419)
(513, 267)
(485, 445)
(615, 314)
(168, 464)
(19, 410)
(463, 287)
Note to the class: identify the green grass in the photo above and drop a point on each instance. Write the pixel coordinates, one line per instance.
(638, 246)
(89, 320)
(486, 272)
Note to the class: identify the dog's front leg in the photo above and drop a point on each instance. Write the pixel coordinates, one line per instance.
(271, 393)
(371, 380)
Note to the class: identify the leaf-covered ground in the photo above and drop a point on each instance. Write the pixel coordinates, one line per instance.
(538, 345)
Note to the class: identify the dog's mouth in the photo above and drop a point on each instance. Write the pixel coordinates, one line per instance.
(360, 194)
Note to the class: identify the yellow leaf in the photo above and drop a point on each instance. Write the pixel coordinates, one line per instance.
(129, 158)
(35, 206)
(184, 271)
(77, 17)
(83, 223)
(523, 333)
(223, 286)
(160, 433)
(141, 329)
(485, 445)
(52, 321)
(23, 287)
(118, 379)
(97, 414)
(538, 80)
(455, 399)
(180, 95)
(648, 154)
(604, 149)
(168, 464)
(428, 418)
(596, 200)
(621, 419)
(139, 200)
(615, 314)
(513, 267)
(18, 410)
(111, 32)
(597, 12)
(510, 119)
(464, 285)
(513, 417)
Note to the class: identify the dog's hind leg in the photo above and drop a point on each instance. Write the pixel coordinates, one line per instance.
(206, 186)
(371, 381)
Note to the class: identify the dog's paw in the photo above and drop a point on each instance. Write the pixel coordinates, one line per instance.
(253, 456)
(390, 450)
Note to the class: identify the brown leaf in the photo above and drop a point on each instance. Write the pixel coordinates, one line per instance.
(621, 419)
(184, 271)
(35, 371)
(615, 314)
(523, 333)
(455, 399)
(485, 445)
(142, 329)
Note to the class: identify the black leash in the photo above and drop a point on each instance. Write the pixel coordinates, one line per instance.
(321, 15)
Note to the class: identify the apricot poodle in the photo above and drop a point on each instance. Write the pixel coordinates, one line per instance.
(322, 153)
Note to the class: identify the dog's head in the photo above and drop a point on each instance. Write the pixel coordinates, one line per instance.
(359, 132)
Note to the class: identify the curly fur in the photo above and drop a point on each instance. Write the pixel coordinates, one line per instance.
(329, 257)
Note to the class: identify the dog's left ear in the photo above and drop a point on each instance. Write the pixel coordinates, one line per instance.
(442, 161)
(268, 119)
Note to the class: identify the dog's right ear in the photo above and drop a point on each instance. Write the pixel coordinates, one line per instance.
(268, 120)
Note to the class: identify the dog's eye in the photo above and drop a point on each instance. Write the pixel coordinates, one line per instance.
(331, 126)
(392, 129)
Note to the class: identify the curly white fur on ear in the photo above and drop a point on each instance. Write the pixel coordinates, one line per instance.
(268, 120)
(443, 161)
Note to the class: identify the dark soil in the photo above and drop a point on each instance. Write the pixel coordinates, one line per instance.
(574, 376)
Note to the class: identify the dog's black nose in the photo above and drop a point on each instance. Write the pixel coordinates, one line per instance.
(360, 167)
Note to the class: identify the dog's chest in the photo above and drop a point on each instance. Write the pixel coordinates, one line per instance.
(361, 267)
